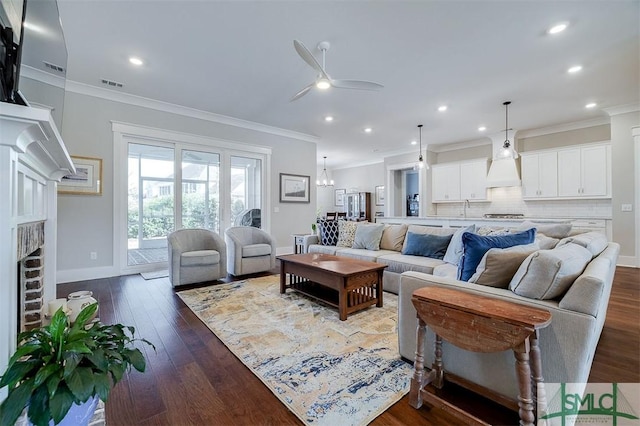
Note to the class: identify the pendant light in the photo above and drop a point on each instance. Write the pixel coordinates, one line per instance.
(324, 181)
(508, 150)
(421, 163)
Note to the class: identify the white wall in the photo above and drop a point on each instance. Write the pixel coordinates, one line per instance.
(85, 223)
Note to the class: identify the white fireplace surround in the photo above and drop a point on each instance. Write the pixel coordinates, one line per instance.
(33, 159)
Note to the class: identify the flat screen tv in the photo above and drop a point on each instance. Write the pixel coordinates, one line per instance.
(11, 22)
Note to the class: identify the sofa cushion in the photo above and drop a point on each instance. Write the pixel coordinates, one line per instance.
(553, 230)
(393, 237)
(446, 270)
(431, 230)
(593, 241)
(255, 250)
(363, 254)
(545, 242)
(400, 263)
(368, 236)
(475, 246)
(498, 266)
(454, 251)
(547, 274)
(346, 233)
(318, 248)
(328, 232)
(427, 245)
(199, 258)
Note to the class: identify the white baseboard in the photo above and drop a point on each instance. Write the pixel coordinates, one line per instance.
(631, 261)
(72, 275)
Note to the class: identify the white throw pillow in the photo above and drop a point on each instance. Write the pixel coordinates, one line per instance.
(455, 249)
(368, 236)
(593, 241)
(547, 274)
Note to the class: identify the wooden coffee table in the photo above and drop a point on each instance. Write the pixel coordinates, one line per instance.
(348, 284)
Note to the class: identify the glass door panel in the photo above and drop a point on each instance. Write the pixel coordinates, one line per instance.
(246, 191)
(201, 190)
(150, 202)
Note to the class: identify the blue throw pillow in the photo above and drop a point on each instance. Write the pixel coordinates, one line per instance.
(328, 232)
(475, 246)
(427, 245)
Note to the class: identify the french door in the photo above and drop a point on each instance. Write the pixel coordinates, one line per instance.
(171, 185)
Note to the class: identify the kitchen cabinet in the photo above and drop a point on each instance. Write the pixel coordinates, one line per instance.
(459, 181)
(539, 175)
(358, 206)
(584, 171)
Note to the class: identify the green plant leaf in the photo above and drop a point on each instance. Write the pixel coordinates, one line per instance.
(78, 347)
(52, 384)
(60, 404)
(46, 371)
(70, 361)
(98, 358)
(117, 370)
(24, 350)
(80, 383)
(59, 322)
(39, 407)
(137, 359)
(18, 371)
(102, 385)
(85, 315)
(17, 400)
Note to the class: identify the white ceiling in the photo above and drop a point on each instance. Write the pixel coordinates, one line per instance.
(236, 58)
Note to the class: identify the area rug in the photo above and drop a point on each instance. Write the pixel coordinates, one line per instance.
(155, 274)
(326, 371)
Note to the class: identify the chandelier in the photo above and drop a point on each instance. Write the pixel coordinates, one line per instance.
(323, 180)
(507, 151)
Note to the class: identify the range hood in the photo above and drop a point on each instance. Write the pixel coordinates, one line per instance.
(503, 171)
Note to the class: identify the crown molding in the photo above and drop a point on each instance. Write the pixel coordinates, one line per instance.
(565, 127)
(459, 145)
(42, 76)
(622, 109)
(99, 92)
(362, 164)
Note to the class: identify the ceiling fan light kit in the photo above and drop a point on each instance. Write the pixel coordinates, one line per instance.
(324, 81)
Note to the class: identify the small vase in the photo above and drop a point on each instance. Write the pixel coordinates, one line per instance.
(79, 300)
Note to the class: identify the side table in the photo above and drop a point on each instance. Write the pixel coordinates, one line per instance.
(298, 243)
(480, 324)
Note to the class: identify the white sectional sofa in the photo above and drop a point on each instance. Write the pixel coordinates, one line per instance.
(567, 345)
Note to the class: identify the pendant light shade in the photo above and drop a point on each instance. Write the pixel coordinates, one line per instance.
(508, 150)
(421, 163)
(323, 180)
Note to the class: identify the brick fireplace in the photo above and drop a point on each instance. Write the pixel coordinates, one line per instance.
(33, 159)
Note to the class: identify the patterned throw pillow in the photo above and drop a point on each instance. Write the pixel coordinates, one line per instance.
(346, 233)
(328, 232)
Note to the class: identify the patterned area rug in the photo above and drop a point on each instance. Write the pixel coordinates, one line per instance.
(326, 371)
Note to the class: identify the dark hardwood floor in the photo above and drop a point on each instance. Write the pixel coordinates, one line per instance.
(192, 379)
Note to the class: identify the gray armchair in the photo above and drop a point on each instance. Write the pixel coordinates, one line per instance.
(251, 250)
(196, 255)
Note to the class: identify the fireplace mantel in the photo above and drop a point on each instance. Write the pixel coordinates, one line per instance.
(33, 158)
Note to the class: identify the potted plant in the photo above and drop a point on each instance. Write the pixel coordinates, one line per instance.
(62, 366)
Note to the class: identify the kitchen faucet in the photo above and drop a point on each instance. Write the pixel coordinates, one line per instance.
(465, 205)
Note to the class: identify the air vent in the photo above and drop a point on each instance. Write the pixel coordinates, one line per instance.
(53, 67)
(111, 83)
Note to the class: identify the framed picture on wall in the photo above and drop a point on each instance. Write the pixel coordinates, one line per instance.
(380, 195)
(294, 188)
(340, 197)
(87, 180)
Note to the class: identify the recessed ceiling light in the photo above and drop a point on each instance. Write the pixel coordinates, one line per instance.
(442, 108)
(591, 105)
(557, 28)
(574, 69)
(414, 142)
(482, 128)
(368, 130)
(135, 61)
(328, 118)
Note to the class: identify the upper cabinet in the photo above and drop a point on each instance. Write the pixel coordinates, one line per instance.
(581, 171)
(459, 181)
(539, 175)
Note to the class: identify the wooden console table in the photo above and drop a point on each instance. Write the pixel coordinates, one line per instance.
(480, 324)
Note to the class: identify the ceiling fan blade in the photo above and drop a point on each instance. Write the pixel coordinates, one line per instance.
(308, 57)
(302, 92)
(356, 84)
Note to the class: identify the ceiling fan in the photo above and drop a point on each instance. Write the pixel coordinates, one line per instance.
(324, 81)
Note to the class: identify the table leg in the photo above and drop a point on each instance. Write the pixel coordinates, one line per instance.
(539, 394)
(283, 277)
(342, 300)
(523, 372)
(415, 394)
(379, 290)
(437, 364)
